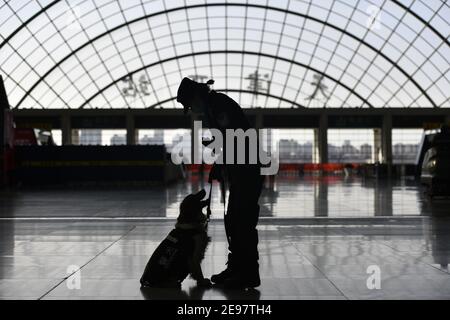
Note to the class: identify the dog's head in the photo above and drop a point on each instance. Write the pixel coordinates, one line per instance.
(191, 209)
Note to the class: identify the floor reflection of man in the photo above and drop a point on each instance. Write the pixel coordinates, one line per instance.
(439, 231)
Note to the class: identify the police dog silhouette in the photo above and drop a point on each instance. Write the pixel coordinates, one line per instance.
(182, 251)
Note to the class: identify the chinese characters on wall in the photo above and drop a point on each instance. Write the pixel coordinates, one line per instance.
(258, 83)
(134, 85)
(132, 88)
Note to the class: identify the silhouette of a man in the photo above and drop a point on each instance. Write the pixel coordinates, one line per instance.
(245, 183)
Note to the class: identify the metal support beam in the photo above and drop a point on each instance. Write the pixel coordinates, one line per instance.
(24, 24)
(241, 52)
(268, 95)
(3, 106)
(184, 8)
(439, 114)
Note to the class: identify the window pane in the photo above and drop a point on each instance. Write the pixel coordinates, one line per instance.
(99, 137)
(405, 145)
(167, 137)
(293, 145)
(351, 145)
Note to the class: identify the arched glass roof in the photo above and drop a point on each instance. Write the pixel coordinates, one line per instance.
(274, 53)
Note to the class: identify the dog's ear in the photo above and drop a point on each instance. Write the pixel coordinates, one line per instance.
(200, 195)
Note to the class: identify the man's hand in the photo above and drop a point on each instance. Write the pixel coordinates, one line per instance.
(205, 282)
(206, 143)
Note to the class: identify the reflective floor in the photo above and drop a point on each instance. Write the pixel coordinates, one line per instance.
(369, 233)
(299, 259)
(288, 196)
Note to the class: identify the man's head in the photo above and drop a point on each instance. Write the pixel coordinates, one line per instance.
(192, 95)
(191, 208)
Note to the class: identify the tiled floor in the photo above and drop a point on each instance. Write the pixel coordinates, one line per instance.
(111, 234)
(288, 196)
(299, 259)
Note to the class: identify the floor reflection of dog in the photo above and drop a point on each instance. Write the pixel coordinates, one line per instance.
(149, 293)
(181, 252)
(197, 293)
(231, 294)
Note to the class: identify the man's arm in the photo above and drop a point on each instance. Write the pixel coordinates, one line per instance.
(225, 109)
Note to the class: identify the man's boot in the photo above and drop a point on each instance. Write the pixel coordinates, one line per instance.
(227, 273)
(245, 277)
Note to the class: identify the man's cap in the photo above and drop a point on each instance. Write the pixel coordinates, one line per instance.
(186, 92)
(193, 202)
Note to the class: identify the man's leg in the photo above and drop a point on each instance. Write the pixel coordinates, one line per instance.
(228, 220)
(245, 235)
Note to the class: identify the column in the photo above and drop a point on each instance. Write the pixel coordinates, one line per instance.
(131, 130)
(382, 198)
(377, 155)
(66, 130)
(259, 121)
(386, 142)
(266, 142)
(3, 106)
(321, 141)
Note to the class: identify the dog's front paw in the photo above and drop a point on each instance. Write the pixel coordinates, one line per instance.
(205, 282)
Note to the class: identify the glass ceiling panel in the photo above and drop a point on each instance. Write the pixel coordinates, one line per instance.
(133, 54)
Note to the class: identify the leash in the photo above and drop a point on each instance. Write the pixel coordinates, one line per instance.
(208, 206)
(223, 191)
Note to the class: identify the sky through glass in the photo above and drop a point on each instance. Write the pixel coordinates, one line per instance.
(270, 54)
